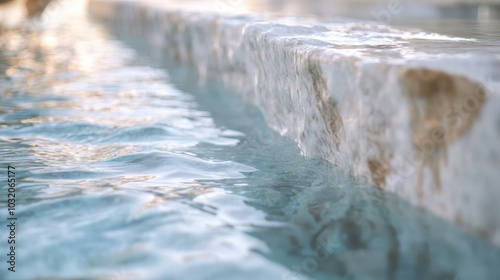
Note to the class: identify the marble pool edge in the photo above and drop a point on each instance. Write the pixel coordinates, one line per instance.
(372, 118)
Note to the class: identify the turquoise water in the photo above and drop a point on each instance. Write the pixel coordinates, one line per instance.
(128, 168)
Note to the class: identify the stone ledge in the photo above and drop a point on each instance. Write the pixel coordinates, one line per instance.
(413, 113)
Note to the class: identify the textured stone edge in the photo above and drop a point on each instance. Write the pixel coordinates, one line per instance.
(434, 143)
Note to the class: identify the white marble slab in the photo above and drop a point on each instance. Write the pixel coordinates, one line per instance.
(414, 113)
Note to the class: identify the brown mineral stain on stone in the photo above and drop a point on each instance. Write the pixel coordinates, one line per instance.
(443, 107)
(375, 125)
(380, 165)
(379, 172)
(325, 104)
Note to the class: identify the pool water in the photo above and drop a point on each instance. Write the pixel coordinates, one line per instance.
(128, 167)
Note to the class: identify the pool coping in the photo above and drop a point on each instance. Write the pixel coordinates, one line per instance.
(372, 117)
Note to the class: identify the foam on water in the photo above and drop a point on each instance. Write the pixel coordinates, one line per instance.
(126, 171)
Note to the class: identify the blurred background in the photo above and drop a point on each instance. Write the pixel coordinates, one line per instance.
(385, 10)
(469, 18)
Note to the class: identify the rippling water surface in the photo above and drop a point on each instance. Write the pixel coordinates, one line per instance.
(128, 171)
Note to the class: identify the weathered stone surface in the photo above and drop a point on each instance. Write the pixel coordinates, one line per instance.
(410, 112)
